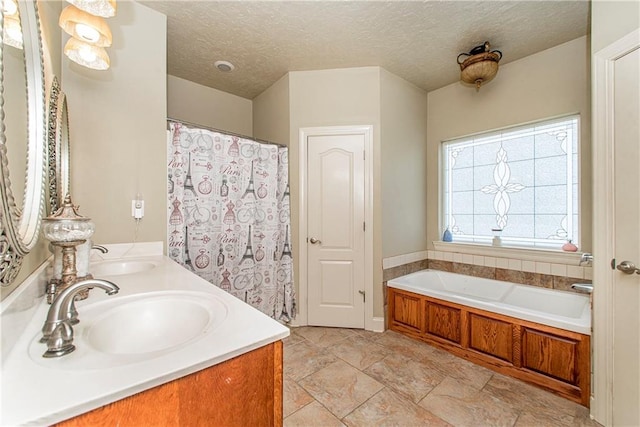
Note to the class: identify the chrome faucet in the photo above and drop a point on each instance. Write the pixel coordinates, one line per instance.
(586, 258)
(100, 248)
(57, 331)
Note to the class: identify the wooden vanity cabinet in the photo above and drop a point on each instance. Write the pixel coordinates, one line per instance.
(243, 391)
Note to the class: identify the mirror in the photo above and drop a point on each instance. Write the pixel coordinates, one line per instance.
(22, 136)
(58, 142)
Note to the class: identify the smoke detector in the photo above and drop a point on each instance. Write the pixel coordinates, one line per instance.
(224, 66)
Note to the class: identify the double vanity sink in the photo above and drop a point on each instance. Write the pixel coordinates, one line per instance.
(163, 324)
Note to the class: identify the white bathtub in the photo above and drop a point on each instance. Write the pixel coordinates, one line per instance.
(564, 310)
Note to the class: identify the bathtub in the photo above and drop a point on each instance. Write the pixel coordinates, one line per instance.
(565, 310)
(538, 335)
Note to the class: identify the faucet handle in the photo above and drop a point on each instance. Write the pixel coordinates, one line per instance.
(586, 258)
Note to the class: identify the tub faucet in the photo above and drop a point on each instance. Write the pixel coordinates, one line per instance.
(586, 258)
(57, 331)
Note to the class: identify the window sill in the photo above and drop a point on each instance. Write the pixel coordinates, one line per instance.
(528, 254)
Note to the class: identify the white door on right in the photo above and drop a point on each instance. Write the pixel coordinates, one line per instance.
(626, 284)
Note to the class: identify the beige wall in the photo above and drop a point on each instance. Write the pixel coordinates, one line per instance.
(403, 140)
(117, 129)
(271, 113)
(550, 83)
(208, 107)
(348, 96)
(51, 33)
(611, 20)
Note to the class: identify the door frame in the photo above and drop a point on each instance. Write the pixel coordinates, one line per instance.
(603, 222)
(367, 131)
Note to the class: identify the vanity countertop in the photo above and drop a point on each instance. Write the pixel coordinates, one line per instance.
(39, 391)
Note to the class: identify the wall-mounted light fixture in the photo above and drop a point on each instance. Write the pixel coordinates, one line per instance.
(103, 8)
(12, 31)
(86, 27)
(480, 65)
(89, 32)
(88, 55)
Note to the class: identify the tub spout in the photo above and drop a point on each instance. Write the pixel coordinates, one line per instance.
(583, 287)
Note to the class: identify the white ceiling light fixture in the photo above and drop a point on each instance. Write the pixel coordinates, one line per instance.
(85, 27)
(102, 8)
(224, 66)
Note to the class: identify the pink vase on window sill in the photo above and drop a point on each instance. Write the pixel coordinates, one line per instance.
(569, 247)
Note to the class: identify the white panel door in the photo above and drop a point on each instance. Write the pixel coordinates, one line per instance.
(335, 225)
(626, 287)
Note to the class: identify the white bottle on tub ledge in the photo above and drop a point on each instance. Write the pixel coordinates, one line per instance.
(497, 241)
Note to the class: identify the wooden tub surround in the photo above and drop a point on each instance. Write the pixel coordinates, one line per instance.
(554, 359)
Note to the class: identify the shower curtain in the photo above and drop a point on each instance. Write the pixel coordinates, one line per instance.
(229, 218)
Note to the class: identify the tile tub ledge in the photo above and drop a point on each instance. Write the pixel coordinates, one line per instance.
(36, 394)
(525, 254)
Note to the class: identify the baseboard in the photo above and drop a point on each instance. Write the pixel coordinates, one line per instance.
(377, 324)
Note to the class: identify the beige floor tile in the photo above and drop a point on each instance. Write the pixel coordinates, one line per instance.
(314, 414)
(340, 387)
(404, 346)
(527, 398)
(324, 337)
(294, 397)
(369, 335)
(463, 404)
(390, 409)
(359, 352)
(410, 378)
(530, 419)
(457, 367)
(292, 339)
(305, 358)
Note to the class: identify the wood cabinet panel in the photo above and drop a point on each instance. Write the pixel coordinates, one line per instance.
(444, 321)
(551, 358)
(551, 355)
(243, 391)
(407, 310)
(491, 336)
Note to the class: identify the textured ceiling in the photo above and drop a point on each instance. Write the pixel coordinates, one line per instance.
(418, 41)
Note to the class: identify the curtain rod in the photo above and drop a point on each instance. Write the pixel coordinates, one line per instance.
(184, 122)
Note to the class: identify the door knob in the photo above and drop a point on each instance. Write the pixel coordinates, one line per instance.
(314, 241)
(627, 267)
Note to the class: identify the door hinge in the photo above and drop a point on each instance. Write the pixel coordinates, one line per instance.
(364, 155)
(364, 297)
(364, 226)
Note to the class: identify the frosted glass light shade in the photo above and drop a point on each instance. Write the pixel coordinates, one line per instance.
(86, 27)
(12, 32)
(87, 55)
(9, 7)
(103, 8)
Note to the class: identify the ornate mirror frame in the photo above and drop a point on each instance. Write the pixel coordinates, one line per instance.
(20, 225)
(58, 142)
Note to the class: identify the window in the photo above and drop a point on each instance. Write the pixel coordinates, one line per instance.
(523, 180)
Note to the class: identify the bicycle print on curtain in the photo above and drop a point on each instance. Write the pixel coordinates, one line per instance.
(229, 218)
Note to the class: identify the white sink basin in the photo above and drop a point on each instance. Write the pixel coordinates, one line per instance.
(149, 325)
(129, 329)
(117, 268)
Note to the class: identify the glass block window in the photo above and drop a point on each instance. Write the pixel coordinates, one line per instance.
(522, 180)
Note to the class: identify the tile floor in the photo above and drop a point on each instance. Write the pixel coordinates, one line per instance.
(337, 377)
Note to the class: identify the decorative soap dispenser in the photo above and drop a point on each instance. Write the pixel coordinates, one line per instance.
(447, 236)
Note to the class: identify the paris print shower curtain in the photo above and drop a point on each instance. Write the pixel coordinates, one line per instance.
(229, 221)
